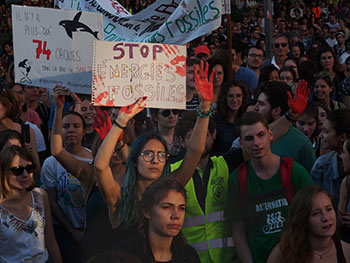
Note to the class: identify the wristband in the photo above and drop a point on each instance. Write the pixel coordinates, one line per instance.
(205, 114)
(289, 117)
(119, 125)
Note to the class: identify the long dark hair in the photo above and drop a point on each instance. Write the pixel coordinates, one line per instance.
(128, 206)
(223, 109)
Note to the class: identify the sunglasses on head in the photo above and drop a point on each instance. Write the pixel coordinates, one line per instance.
(18, 170)
(166, 113)
(277, 45)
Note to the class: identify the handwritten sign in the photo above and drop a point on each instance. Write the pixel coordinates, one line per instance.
(54, 47)
(166, 21)
(125, 71)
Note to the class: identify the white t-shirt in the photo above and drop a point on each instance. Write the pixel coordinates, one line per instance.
(39, 138)
(70, 194)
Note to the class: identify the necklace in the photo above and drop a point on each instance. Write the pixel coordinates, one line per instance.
(324, 254)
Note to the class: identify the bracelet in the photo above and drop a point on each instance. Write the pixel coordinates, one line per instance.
(288, 116)
(119, 125)
(205, 114)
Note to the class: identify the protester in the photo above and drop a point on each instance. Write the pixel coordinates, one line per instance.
(26, 232)
(310, 231)
(255, 204)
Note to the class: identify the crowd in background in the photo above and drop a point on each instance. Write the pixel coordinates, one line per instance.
(97, 165)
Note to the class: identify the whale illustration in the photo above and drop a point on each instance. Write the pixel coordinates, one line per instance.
(75, 26)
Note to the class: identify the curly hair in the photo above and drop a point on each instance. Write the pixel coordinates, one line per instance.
(294, 243)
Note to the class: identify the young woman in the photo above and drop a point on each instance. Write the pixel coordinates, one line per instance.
(307, 122)
(323, 89)
(328, 170)
(9, 113)
(288, 76)
(309, 234)
(163, 207)
(26, 233)
(269, 73)
(66, 175)
(147, 159)
(220, 77)
(231, 104)
(328, 63)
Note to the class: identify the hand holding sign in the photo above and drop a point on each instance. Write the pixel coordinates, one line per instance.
(58, 94)
(126, 113)
(203, 86)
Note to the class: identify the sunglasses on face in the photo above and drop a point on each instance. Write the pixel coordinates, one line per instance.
(18, 170)
(277, 45)
(166, 113)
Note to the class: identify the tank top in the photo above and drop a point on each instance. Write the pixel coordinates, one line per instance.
(24, 241)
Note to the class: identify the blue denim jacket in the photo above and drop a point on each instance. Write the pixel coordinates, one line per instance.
(325, 173)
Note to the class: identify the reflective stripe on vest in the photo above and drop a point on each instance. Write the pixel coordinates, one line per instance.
(213, 243)
(200, 220)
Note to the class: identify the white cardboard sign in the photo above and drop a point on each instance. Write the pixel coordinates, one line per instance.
(126, 71)
(54, 47)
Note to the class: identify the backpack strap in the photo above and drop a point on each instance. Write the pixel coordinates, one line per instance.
(286, 177)
(242, 180)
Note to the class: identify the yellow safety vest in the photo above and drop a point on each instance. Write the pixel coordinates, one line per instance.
(210, 234)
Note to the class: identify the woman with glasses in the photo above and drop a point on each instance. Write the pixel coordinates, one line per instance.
(231, 104)
(26, 232)
(66, 176)
(323, 89)
(328, 63)
(147, 160)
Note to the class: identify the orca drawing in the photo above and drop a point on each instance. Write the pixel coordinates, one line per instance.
(75, 26)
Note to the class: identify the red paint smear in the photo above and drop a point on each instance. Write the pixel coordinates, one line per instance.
(178, 51)
(173, 50)
(109, 103)
(166, 50)
(180, 70)
(101, 96)
(167, 65)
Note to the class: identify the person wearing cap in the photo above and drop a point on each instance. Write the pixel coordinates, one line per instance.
(202, 52)
(339, 49)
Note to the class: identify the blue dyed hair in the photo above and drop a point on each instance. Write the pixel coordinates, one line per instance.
(128, 211)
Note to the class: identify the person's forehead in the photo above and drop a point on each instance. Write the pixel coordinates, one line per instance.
(262, 97)
(255, 50)
(252, 129)
(280, 39)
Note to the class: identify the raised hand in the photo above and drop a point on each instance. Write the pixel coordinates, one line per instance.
(298, 104)
(102, 123)
(126, 113)
(203, 86)
(58, 94)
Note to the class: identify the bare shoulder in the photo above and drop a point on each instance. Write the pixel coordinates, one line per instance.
(346, 250)
(275, 255)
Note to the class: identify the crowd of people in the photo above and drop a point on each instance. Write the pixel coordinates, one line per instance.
(256, 169)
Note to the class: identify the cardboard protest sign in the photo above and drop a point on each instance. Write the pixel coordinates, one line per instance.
(166, 21)
(126, 71)
(54, 47)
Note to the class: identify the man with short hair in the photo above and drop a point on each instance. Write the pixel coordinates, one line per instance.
(280, 48)
(272, 103)
(255, 57)
(204, 227)
(202, 52)
(331, 40)
(242, 73)
(339, 48)
(260, 191)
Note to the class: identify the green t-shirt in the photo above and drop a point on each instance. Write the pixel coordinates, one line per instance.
(266, 209)
(296, 145)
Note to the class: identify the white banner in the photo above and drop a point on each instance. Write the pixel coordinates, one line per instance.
(54, 47)
(166, 21)
(126, 71)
